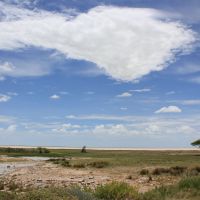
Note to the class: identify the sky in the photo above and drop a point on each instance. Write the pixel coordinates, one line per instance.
(100, 73)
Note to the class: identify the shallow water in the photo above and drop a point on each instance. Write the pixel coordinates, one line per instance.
(8, 167)
(36, 158)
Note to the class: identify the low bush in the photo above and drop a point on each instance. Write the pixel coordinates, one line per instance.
(187, 188)
(98, 164)
(177, 170)
(192, 182)
(1, 184)
(197, 168)
(144, 172)
(80, 194)
(79, 165)
(129, 177)
(116, 191)
(8, 196)
(60, 161)
(12, 186)
(45, 194)
(159, 171)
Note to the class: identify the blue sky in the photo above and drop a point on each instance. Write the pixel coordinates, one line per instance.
(99, 73)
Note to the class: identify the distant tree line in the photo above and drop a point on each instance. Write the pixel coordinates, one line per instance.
(39, 150)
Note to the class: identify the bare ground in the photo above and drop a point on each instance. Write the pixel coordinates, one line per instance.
(45, 174)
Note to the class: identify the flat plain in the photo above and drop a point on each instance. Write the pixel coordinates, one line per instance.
(144, 170)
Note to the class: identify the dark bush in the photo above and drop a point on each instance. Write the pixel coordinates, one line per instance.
(60, 161)
(144, 172)
(177, 170)
(1, 184)
(159, 171)
(79, 165)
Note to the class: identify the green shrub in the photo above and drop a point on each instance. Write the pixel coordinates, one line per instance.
(160, 193)
(80, 194)
(188, 183)
(116, 191)
(46, 194)
(7, 196)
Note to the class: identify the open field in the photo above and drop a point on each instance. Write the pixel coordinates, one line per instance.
(144, 170)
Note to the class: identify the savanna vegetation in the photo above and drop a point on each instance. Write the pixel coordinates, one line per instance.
(113, 157)
(188, 188)
(182, 165)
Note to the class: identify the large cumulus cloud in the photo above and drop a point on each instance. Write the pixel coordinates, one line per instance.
(126, 43)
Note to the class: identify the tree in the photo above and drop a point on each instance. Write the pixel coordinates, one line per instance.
(196, 143)
(83, 150)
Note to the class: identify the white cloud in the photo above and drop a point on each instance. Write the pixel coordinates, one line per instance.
(64, 93)
(141, 90)
(169, 109)
(4, 98)
(116, 129)
(25, 67)
(124, 94)
(6, 67)
(11, 128)
(102, 117)
(12, 93)
(195, 79)
(188, 68)
(6, 119)
(191, 102)
(153, 126)
(65, 128)
(90, 93)
(2, 78)
(55, 97)
(8, 129)
(123, 108)
(170, 92)
(100, 36)
(30, 93)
